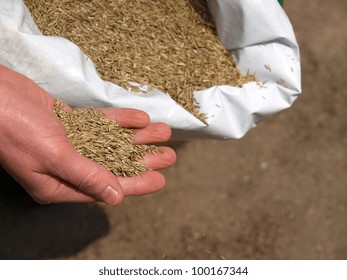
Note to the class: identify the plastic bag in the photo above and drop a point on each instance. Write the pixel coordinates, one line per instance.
(258, 34)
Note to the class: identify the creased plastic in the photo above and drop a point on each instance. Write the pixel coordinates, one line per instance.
(258, 33)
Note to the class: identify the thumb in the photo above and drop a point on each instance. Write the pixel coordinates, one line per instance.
(89, 177)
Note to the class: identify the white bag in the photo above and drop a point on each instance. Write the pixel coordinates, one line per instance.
(258, 34)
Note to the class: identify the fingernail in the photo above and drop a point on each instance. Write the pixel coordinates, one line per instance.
(110, 196)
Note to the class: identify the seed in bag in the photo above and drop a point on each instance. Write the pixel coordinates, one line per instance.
(171, 45)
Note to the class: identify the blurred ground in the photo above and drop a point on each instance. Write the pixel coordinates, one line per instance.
(278, 193)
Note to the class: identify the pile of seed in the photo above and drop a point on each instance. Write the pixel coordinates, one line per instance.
(166, 44)
(103, 140)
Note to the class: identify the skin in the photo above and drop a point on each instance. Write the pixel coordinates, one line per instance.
(34, 149)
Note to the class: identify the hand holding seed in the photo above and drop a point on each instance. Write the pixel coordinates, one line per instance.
(35, 150)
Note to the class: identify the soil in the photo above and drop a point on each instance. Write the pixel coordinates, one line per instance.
(279, 192)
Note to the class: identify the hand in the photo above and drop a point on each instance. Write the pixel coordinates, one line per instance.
(34, 149)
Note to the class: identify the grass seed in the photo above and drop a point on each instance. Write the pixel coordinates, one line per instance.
(103, 140)
(170, 45)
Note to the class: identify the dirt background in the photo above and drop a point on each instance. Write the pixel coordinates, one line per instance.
(280, 192)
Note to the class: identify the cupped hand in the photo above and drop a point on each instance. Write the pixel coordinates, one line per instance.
(34, 149)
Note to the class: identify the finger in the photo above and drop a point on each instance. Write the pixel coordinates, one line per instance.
(148, 182)
(64, 193)
(68, 195)
(164, 157)
(88, 177)
(153, 133)
(130, 118)
(47, 189)
(65, 197)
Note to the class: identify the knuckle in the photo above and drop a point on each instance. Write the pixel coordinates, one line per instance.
(89, 182)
